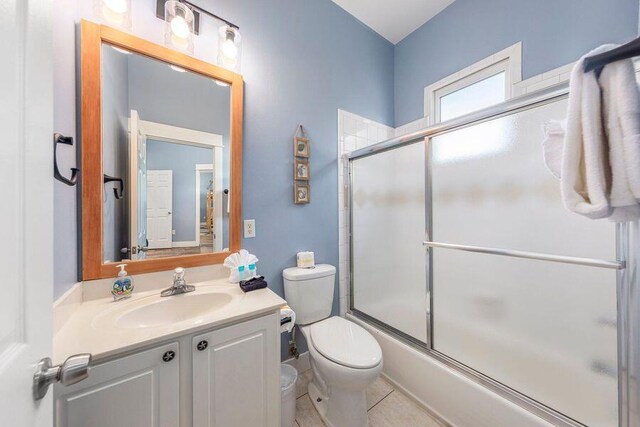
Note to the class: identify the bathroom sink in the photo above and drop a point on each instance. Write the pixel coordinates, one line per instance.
(155, 311)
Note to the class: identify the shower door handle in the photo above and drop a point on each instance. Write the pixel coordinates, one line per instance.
(590, 262)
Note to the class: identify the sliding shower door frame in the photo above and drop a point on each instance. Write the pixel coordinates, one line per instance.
(627, 290)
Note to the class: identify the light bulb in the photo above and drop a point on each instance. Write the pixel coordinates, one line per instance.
(117, 6)
(179, 27)
(178, 69)
(230, 50)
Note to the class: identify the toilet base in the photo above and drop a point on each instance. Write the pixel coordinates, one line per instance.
(345, 408)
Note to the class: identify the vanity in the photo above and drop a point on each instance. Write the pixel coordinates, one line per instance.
(161, 188)
(207, 358)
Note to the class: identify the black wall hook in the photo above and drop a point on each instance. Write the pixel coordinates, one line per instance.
(67, 140)
(119, 193)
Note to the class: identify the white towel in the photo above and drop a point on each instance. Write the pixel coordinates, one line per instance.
(600, 171)
(621, 101)
(285, 312)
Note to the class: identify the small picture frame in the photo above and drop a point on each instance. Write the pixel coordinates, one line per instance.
(301, 193)
(301, 147)
(301, 170)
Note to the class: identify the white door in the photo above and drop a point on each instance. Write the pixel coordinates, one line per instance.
(26, 174)
(138, 187)
(159, 202)
(236, 375)
(137, 390)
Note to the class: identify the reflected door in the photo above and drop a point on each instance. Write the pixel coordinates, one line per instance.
(159, 214)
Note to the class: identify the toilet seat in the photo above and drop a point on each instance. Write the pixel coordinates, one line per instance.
(345, 343)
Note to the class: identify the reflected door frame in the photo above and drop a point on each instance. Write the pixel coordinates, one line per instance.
(146, 130)
(216, 169)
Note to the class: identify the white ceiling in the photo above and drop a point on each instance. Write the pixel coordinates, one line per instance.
(393, 19)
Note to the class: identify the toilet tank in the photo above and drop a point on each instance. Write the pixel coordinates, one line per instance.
(309, 292)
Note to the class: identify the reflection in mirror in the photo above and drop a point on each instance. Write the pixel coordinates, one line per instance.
(165, 133)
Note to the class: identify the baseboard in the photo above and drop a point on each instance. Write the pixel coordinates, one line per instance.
(187, 244)
(302, 363)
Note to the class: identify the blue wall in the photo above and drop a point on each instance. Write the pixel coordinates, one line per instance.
(553, 33)
(182, 160)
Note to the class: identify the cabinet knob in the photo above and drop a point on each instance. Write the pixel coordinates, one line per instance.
(168, 356)
(202, 345)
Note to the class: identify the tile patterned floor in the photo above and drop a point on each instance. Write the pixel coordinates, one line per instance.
(387, 407)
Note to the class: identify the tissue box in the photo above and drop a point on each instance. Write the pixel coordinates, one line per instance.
(305, 260)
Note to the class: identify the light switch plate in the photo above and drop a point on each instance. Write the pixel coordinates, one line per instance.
(249, 228)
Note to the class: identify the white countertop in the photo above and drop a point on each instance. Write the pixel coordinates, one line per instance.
(93, 326)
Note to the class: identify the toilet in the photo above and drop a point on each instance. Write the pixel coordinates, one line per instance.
(345, 358)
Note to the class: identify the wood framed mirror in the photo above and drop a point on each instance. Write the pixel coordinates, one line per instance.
(161, 156)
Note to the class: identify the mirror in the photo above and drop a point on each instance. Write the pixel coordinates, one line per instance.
(161, 162)
(165, 133)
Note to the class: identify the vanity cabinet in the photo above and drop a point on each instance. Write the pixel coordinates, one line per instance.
(225, 377)
(137, 390)
(236, 375)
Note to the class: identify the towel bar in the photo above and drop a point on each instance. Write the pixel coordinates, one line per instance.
(616, 265)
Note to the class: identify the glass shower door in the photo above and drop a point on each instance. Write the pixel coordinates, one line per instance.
(389, 281)
(544, 329)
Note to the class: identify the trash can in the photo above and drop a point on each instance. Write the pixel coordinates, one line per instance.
(288, 378)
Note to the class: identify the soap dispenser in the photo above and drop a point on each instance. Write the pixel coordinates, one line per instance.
(123, 285)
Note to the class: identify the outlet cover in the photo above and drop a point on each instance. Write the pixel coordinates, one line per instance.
(249, 228)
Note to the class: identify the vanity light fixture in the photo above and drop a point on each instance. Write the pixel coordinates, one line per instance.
(179, 25)
(229, 45)
(114, 12)
(183, 20)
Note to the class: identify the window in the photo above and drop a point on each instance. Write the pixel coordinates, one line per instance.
(481, 85)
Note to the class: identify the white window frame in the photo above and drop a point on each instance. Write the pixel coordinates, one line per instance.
(508, 60)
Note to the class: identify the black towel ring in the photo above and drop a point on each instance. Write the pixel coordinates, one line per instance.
(67, 140)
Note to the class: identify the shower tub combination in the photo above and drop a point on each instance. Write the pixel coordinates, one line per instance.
(494, 305)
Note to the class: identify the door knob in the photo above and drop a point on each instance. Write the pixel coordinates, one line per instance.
(73, 370)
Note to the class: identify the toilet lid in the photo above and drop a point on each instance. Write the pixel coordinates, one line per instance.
(345, 343)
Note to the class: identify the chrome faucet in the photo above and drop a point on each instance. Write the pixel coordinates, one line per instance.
(179, 285)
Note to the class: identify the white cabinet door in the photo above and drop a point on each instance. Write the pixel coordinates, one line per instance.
(236, 378)
(137, 390)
